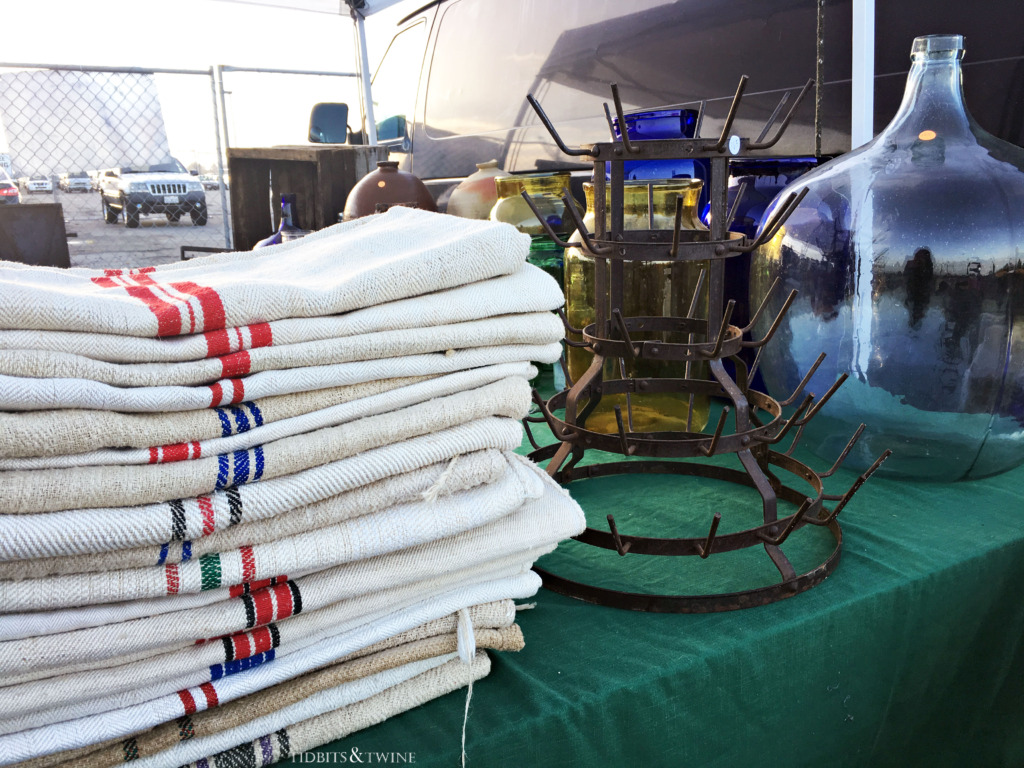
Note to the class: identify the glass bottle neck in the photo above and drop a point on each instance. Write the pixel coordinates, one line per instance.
(933, 103)
(287, 213)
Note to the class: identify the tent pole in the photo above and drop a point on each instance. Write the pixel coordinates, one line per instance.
(364, 76)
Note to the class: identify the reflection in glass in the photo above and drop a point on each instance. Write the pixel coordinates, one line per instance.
(907, 255)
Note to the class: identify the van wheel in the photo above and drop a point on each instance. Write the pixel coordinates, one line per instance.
(173, 217)
(199, 217)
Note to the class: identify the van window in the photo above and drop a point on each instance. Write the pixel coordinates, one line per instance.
(394, 82)
(490, 53)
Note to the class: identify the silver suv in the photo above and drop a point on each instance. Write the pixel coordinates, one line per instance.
(165, 188)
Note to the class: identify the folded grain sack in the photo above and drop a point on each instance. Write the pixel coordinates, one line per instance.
(220, 480)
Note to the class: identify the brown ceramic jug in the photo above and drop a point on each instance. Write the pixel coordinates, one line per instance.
(386, 187)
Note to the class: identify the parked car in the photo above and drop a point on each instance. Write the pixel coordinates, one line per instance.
(75, 182)
(38, 183)
(166, 188)
(9, 194)
(210, 181)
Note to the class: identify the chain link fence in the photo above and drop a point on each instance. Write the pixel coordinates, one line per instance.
(136, 157)
(132, 156)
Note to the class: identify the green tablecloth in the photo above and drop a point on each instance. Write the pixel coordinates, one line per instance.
(912, 653)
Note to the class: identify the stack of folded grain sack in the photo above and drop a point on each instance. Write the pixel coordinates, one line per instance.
(253, 502)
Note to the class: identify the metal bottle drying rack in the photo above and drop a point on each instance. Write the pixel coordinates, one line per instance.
(758, 424)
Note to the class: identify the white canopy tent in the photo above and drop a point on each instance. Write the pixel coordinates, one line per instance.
(863, 65)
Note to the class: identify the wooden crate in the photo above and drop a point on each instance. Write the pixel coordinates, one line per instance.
(319, 176)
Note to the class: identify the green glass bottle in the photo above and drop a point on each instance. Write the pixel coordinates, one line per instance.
(652, 289)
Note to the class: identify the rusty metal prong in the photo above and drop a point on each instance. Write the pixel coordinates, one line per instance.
(710, 450)
(760, 144)
(627, 449)
(675, 230)
(565, 372)
(622, 547)
(706, 549)
(608, 117)
(566, 324)
(554, 134)
(793, 421)
(775, 323)
(620, 326)
(764, 303)
(529, 434)
(845, 453)
(699, 122)
(726, 317)
(755, 364)
(629, 400)
(845, 499)
(820, 404)
(779, 218)
(741, 190)
(543, 222)
(724, 137)
(564, 436)
(772, 118)
(803, 382)
(796, 441)
(570, 206)
(696, 294)
(772, 226)
(623, 132)
(794, 521)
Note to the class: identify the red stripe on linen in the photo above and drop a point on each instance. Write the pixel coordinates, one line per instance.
(216, 395)
(283, 593)
(262, 335)
(239, 589)
(242, 648)
(173, 581)
(217, 343)
(235, 364)
(187, 701)
(210, 693)
(154, 454)
(262, 641)
(174, 452)
(168, 314)
(209, 300)
(239, 393)
(264, 605)
(105, 282)
(206, 507)
(248, 563)
(197, 450)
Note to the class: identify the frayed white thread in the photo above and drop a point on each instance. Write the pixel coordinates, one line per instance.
(430, 495)
(466, 643)
(465, 637)
(526, 607)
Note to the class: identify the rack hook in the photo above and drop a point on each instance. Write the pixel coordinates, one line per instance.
(803, 382)
(623, 133)
(570, 207)
(706, 549)
(759, 144)
(620, 326)
(710, 450)
(622, 547)
(794, 521)
(845, 498)
(627, 449)
(733, 107)
(845, 453)
(554, 134)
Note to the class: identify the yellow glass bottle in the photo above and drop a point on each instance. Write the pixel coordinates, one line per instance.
(652, 289)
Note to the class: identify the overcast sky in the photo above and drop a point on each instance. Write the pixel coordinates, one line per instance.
(194, 34)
